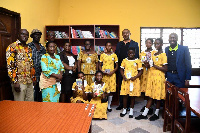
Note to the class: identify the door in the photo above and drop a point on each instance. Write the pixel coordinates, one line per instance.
(10, 23)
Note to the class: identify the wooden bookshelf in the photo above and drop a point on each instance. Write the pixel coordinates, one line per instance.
(95, 41)
(80, 41)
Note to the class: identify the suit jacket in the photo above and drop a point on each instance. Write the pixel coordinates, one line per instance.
(183, 62)
(132, 44)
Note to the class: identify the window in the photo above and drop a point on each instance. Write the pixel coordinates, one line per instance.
(186, 36)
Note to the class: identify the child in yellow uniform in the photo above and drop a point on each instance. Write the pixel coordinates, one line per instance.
(88, 62)
(131, 70)
(156, 84)
(99, 91)
(145, 57)
(79, 94)
(109, 59)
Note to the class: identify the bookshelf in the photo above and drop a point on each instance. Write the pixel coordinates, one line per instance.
(94, 39)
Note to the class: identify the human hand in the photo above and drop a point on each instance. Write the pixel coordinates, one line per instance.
(151, 63)
(59, 76)
(76, 88)
(125, 79)
(83, 88)
(34, 83)
(74, 68)
(106, 73)
(17, 87)
(111, 73)
(187, 83)
(94, 95)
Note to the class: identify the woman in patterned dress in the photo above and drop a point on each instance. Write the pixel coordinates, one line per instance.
(99, 91)
(88, 62)
(52, 68)
(156, 84)
(131, 70)
(109, 59)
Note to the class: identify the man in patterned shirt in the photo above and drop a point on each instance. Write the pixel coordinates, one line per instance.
(20, 67)
(37, 51)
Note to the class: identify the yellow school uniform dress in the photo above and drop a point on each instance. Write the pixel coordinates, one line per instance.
(101, 108)
(88, 65)
(108, 63)
(156, 84)
(79, 96)
(144, 76)
(131, 68)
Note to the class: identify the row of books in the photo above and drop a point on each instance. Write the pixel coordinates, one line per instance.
(99, 49)
(60, 34)
(77, 49)
(104, 33)
(81, 34)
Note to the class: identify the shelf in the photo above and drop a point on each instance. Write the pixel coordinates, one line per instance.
(61, 38)
(80, 41)
(82, 38)
(107, 38)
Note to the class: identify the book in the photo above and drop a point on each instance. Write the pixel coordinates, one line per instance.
(107, 70)
(97, 34)
(72, 32)
(79, 82)
(98, 90)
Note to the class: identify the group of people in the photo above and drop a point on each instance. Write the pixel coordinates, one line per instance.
(43, 73)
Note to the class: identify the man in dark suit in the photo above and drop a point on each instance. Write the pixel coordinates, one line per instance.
(179, 62)
(121, 52)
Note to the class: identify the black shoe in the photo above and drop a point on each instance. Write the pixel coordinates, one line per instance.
(142, 110)
(119, 108)
(150, 111)
(122, 115)
(130, 116)
(141, 117)
(154, 117)
(109, 110)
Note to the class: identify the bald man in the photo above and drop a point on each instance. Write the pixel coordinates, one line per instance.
(20, 67)
(179, 62)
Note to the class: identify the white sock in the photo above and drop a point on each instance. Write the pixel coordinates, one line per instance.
(124, 111)
(145, 111)
(109, 101)
(131, 111)
(157, 111)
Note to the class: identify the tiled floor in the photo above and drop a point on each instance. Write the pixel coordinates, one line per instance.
(117, 124)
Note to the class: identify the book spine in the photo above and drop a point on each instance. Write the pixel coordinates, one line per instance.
(72, 32)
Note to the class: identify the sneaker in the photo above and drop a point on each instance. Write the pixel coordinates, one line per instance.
(119, 108)
(154, 117)
(141, 117)
(109, 110)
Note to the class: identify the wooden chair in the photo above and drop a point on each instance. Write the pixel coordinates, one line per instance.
(169, 107)
(184, 124)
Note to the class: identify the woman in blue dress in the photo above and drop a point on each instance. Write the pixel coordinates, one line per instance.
(52, 70)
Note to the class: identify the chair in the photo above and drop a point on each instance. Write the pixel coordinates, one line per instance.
(184, 124)
(169, 107)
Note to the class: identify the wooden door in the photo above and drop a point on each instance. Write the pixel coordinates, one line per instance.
(10, 23)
